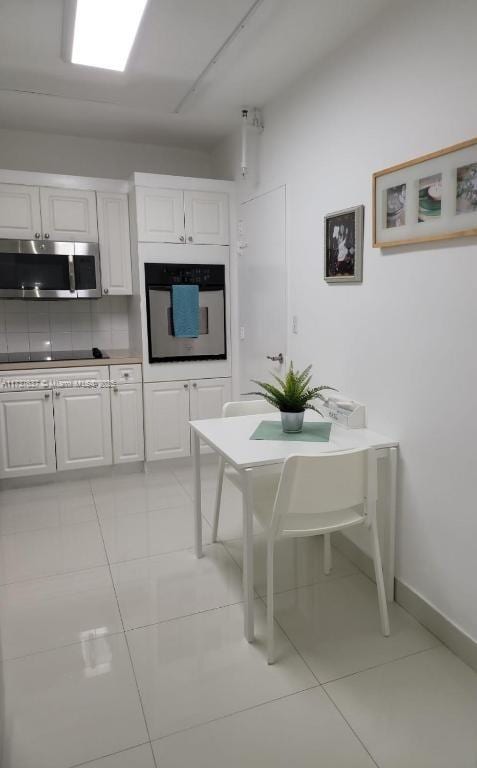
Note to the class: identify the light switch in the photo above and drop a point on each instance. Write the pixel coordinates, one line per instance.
(295, 323)
(242, 332)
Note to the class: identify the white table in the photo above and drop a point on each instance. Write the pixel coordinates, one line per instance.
(230, 437)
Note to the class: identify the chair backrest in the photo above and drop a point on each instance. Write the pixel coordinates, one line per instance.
(247, 408)
(311, 486)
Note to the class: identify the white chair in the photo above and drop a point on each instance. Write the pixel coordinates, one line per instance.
(236, 408)
(318, 495)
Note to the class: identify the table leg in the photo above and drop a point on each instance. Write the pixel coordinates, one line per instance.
(391, 542)
(197, 494)
(248, 593)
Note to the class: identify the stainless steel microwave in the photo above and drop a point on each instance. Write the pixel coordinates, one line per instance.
(44, 269)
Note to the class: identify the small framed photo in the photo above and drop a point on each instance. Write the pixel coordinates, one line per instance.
(344, 246)
(433, 197)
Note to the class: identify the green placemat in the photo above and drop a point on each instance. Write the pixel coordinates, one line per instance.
(313, 432)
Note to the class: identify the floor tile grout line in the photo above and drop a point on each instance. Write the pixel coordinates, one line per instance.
(113, 754)
(324, 581)
(183, 616)
(56, 648)
(320, 684)
(54, 575)
(384, 664)
(157, 554)
(173, 552)
(140, 697)
(236, 712)
(350, 727)
(359, 572)
(127, 644)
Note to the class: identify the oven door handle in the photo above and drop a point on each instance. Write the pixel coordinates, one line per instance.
(71, 272)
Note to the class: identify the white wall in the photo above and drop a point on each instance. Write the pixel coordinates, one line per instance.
(403, 342)
(80, 156)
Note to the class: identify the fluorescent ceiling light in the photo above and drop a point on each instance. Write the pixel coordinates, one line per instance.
(104, 32)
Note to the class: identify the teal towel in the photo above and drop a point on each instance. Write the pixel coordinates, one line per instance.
(185, 311)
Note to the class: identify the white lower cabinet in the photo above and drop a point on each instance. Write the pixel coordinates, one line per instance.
(27, 434)
(207, 398)
(127, 423)
(168, 408)
(82, 427)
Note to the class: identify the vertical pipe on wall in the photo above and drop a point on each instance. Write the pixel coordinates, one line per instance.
(243, 162)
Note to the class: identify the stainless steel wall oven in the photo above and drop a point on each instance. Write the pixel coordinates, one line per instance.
(211, 343)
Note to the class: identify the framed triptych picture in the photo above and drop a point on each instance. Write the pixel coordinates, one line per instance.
(433, 197)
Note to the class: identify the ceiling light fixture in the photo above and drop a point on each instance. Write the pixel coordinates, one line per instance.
(104, 32)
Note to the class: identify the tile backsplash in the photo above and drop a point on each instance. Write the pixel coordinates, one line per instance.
(63, 325)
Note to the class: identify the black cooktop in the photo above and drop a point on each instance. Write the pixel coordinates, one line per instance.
(45, 357)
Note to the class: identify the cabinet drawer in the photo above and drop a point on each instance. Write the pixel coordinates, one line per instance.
(126, 374)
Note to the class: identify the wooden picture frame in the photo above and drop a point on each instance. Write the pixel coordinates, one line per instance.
(343, 245)
(429, 198)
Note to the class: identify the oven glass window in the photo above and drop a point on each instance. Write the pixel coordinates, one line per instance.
(211, 342)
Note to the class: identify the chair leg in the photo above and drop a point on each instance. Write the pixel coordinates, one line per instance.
(218, 498)
(378, 570)
(270, 627)
(327, 553)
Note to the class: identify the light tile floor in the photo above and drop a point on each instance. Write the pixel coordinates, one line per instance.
(121, 650)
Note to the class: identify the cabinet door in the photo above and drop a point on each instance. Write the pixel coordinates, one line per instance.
(114, 244)
(20, 212)
(27, 435)
(127, 421)
(160, 215)
(207, 217)
(82, 427)
(207, 398)
(166, 417)
(69, 214)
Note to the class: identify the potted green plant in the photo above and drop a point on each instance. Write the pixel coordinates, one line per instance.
(291, 395)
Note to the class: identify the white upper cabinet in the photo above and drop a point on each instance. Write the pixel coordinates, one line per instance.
(82, 427)
(175, 216)
(69, 214)
(160, 215)
(27, 434)
(20, 216)
(114, 243)
(206, 218)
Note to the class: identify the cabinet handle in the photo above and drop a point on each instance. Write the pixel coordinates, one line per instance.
(126, 375)
(194, 384)
(37, 235)
(57, 394)
(181, 238)
(190, 239)
(186, 386)
(47, 395)
(105, 291)
(115, 389)
(47, 236)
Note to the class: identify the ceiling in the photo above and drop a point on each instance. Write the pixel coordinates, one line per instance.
(41, 91)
